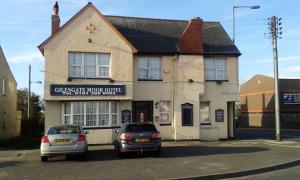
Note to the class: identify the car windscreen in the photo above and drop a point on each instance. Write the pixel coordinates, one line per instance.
(64, 130)
(140, 127)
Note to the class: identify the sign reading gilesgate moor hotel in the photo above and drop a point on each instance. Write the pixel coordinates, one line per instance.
(87, 90)
(103, 71)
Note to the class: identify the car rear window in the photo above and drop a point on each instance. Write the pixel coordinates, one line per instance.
(140, 127)
(64, 130)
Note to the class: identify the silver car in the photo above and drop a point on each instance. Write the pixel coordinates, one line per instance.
(64, 140)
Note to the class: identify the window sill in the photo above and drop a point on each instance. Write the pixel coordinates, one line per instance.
(205, 124)
(165, 124)
(82, 78)
(150, 80)
(92, 128)
(216, 80)
(187, 124)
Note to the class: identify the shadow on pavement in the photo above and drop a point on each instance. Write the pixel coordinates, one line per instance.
(4, 164)
(270, 134)
(174, 152)
(249, 172)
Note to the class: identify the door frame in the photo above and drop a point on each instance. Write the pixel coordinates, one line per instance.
(145, 105)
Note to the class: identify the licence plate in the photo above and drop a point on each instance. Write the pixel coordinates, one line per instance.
(62, 141)
(141, 140)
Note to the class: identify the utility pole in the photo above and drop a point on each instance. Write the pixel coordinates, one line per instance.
(275, 33)
(29, 92)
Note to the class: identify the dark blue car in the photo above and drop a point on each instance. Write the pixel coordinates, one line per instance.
(138, 137)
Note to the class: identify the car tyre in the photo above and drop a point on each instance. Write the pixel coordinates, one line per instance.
(157, 153)
(44, 158)
(83, 156)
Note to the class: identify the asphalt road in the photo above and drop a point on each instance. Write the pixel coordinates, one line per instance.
(251, 156)
(250, 134)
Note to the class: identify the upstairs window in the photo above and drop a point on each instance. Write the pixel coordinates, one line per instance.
(89, 65)
(215, 69)
(149, 68)
(4, 86)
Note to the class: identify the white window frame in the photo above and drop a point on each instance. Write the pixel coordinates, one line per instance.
(105, 66)
(204, 112)
(215, 69)
(97, 114)
(4, 86)
(148, 68)
(165, 112)
(97, 66)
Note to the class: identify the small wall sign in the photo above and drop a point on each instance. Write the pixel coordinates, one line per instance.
(126, 116)
(219, 115)
(291, 98)
(87, 90)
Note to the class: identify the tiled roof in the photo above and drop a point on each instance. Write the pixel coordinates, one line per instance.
(162, 35)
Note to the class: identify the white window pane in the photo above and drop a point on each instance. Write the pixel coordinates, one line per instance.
(91, 107)
(113, 107)
(209, 64)
(142, 74)
(78, 107)
(91, 119)
(221, 74)
(75, 59)
(210, 74)
(104, 71)
(67, 120)
(114, 120)
(104, 119)
(67, 108)
(142, 62)
(90, 59)
(90, 71)
(103, 59)
(75, 71)
(78, 119)
(220, 64)
(103, 107)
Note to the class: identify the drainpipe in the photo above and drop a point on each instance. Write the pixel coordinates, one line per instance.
(173, 132)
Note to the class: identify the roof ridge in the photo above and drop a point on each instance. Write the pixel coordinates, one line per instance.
(135, 17)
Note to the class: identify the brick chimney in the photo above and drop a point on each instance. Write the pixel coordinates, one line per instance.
(191, 41)
(55, 18)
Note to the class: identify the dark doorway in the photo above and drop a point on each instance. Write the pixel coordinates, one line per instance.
(142, 111)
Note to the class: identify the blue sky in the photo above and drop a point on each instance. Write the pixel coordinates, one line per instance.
(24, 24)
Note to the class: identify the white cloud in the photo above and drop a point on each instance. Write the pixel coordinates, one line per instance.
(292, 69)
(270, 60)
(26, 58)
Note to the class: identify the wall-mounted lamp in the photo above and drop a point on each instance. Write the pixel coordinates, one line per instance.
(190, 80)
(156, 105)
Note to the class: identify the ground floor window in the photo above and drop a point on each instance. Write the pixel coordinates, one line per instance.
(164, 112)
(187, 114)
(91, 113)
(204, 113)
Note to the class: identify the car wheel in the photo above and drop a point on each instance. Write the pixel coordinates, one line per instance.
(44, 158)
(83, 156)
(157, 153)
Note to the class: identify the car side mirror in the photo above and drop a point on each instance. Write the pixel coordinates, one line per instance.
(86, 132)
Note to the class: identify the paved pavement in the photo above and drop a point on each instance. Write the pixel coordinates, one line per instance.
(178, 160)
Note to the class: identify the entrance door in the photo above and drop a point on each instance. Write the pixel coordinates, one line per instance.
(230, 119)
(143, 111)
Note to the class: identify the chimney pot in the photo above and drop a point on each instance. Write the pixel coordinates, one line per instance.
(55, 18)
